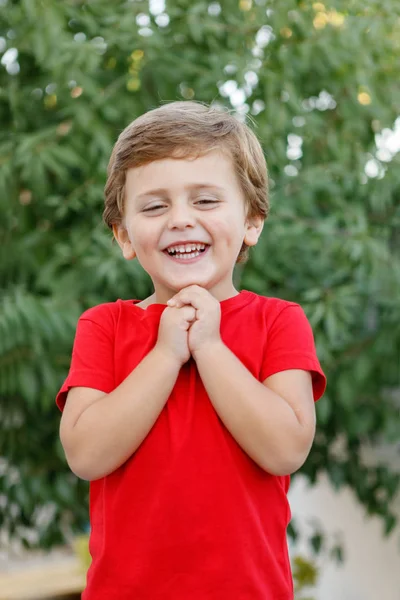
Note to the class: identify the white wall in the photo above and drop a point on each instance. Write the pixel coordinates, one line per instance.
(371, 570)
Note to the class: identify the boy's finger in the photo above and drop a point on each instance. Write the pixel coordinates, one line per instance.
(194, 295)
(180, 300)
(194, 298)
(189, 313)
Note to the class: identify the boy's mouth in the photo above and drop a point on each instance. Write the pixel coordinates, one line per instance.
(187, 251)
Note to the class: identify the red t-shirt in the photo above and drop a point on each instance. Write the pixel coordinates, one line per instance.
(190, 515)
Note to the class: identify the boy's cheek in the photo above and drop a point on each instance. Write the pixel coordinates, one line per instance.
(225, 228)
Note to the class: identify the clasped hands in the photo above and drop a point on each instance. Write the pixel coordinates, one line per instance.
(190, 325)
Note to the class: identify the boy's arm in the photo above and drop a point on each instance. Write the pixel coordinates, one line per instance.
(274, 421)
(98, 431)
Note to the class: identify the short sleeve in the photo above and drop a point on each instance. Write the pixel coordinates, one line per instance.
(92, 362)
(290, 345)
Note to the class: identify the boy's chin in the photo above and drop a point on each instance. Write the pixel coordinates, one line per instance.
(204, 284)
(178, 285)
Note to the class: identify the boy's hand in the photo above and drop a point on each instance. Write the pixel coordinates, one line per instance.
(204, 330)
(173, 332)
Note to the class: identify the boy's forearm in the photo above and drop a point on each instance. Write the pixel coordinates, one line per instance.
(109, 431)
(262, 423)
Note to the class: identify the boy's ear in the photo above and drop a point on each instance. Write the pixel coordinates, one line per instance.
(122, 237)
(254, 228)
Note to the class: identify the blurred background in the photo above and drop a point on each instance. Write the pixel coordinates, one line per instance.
(319, 82)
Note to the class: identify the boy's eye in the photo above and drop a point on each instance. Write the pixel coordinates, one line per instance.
(205, 201)
(154, 207)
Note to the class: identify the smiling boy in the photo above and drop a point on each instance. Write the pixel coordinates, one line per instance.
(188, 411)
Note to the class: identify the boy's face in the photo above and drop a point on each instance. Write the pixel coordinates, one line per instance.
(185, 221)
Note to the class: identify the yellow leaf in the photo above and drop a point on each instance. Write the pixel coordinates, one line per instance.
(245, 5)
(286, 32)
(320, 20)
(364, 98)
(50, 101)
(133, 84)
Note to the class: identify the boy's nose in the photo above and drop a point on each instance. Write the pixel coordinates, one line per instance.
(180, 217)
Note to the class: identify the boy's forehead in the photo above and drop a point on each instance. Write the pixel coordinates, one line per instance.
(214, 169)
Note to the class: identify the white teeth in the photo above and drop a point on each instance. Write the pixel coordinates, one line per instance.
(186, 249)
(186, 255)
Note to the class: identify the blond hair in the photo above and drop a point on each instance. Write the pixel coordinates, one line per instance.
(183, 130)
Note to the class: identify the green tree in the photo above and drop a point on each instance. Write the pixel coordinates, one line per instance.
(320, 84)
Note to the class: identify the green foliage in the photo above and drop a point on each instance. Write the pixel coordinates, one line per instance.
(305, 575)
(321, 549)
(84, 70)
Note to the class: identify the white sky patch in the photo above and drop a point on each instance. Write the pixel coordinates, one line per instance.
(257, 107)
(384, 155)
(256, 64)
(214, 9)
(99, 44)
(10, 61)
(3, 44)
(145, 31)
(294, 153)
(162, 20)
(294, 140)
(293, 150)
(156, 7)
(298, 121)
(388, 141)
(80, 37)
(251, 78)
(230, 69)
(248, 90)
(264, 36)
(372, 168)
(237, 97)
(142, 20)
(257, 52)
(9, 56)
(324, 101)
(13, 69)
(388, 145)
(290, 171)
(285, 96)
(243, 109)
(51, 88)
(227, 88)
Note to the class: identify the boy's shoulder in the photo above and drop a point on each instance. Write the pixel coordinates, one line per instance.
(270, 304)
(106, 313)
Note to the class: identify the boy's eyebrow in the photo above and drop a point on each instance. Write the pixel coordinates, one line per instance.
(195, 186)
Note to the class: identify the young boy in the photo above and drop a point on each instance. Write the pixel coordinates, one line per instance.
(188, 411)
